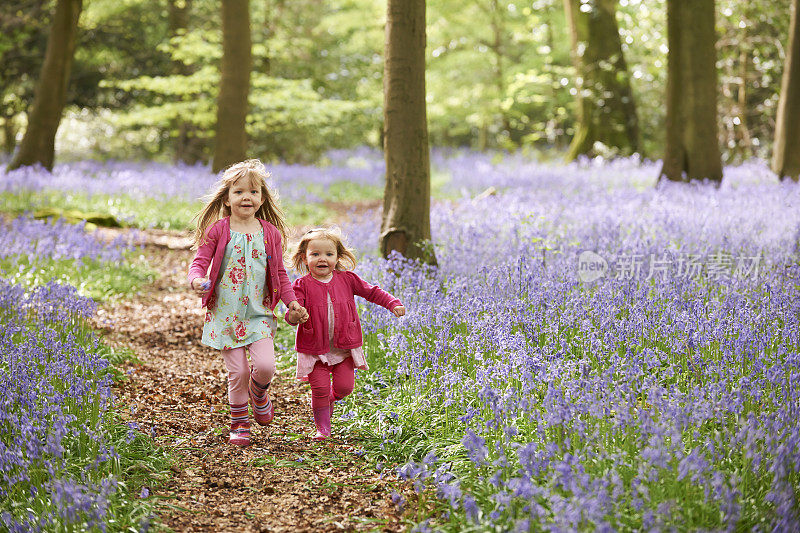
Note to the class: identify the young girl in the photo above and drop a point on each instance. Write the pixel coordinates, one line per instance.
(240, 233)
(328, 341)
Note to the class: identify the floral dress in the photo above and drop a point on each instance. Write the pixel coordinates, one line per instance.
(239, 317)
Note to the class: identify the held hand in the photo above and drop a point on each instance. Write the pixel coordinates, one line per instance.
(298, 313)
(295, 317)
(292, 317)
(399, 311)
(303, 315)
(201, 285)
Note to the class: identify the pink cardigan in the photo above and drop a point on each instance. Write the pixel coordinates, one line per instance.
(212, 251)
(312, 336)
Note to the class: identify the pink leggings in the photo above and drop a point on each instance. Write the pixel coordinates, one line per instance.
(262, 357)
(344, 379)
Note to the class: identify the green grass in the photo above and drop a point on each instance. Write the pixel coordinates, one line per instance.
(92, 278)
(164, 213)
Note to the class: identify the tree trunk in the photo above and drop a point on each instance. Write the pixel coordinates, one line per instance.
(188, 146)
(406, 226)
(498, 49)
(786, 149)
(692, 143)
(606, 110)
(38, 144)
(9, 134)
(231, 136)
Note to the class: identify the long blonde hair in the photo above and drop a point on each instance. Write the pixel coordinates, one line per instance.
(346, 259)
(215, 207)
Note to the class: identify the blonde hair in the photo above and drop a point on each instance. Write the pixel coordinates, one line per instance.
(215, 207)
(346, 260)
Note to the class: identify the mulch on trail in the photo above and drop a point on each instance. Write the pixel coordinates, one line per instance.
(178, 392)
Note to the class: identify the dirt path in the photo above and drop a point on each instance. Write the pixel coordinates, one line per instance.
(284, 481)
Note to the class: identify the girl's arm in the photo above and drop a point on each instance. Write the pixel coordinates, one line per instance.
(372, 293)
(204, 255)
(287, 294)
(293, 317)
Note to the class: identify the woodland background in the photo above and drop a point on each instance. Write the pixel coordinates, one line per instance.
(499, 75)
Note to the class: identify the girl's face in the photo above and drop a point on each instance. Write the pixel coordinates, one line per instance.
(321, 257)
(244, 198)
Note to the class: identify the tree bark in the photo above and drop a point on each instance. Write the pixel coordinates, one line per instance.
(606, 109)
(786, 149)
(406, 227)
(9, 134)
(498, 49)
(231, 136)
(692, 144)
(188, 146)
(38, 144)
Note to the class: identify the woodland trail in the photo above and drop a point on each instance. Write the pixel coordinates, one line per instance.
(177, 391)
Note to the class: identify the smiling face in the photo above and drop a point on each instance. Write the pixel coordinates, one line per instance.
(244, 198)
(321, 257)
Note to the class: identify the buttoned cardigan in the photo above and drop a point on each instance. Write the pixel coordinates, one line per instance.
(212, 251)
(312, 336)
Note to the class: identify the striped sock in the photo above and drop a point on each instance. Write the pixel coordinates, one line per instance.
(261, 403)
(239, 414)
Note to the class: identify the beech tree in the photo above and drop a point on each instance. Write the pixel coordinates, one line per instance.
(606, 109)
(786, 151)
(188, 147)
(234, 88)
(38, 144)
(692, 146)
(406, 225)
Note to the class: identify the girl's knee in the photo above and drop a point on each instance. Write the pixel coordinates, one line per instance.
(238, 378)
(263, 371)
(262, 357)
(342, 389)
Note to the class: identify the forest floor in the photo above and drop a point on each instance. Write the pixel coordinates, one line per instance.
(284, 481)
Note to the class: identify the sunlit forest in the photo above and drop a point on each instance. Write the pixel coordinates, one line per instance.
(499, 75)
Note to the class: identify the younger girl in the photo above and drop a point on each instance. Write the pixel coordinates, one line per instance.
(240, 234)
(328, 341)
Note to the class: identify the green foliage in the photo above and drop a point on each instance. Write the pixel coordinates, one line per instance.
(751, 53)
(643, 32)
(24, 26)
(496, 71)
(117, 39)
(291, 121)
(499, 74)
(290, 118)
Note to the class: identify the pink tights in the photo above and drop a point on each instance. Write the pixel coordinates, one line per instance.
(262, 357)
(328, 384)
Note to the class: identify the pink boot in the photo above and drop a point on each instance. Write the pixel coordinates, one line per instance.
(240, 434)
(322, 419)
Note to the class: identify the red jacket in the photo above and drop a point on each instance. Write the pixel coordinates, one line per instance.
(312, 336)
(212, 251)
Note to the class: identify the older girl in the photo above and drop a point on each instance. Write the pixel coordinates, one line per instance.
(241, 234)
